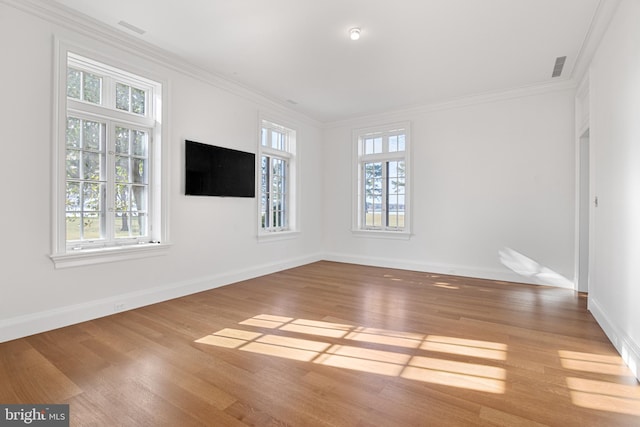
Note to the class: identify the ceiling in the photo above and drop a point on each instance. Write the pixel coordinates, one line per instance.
(411, 53)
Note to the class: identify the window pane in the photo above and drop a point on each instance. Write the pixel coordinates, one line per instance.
(139, 143)
(278, 140)
(73, 222)
(91, 166)
(138, 198)
(368, 146)
(139, 224)
(91, 226)
(263, 137)
(401, 142)
(72, 201)
(122, 97)
(91, 135)
(393, 143)
(139, 171)
(91, 194)
(73, 164)
(122, 197)
(122, 140)
(130, 224)
(73, 133)
(92, 86)
(377, 145)
(74, 81)
(137, 101)
(122, 169)
(373, 194)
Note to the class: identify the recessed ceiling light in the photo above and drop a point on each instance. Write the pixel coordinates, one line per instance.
(354, 33)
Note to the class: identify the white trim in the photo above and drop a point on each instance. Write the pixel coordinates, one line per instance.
(582, 123)
(460, 102)
(626, 346)
(597, 28)
(382, 234)
(448, 269)
(29, 324)
(275, 236)
(108, 254)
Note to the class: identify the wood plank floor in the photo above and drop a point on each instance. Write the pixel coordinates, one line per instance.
(332, 344)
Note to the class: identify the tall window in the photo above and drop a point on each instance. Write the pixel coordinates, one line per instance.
(111, 158)
(277, 177)
(383, 179)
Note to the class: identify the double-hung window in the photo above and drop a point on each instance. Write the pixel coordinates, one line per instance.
(382, 192)
(277, 178)
(109, 159)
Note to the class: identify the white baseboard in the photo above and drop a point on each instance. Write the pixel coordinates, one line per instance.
(454, 270)
(33, 323)
(628, 349)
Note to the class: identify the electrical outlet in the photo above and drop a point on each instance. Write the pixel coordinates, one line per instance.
(118, 307)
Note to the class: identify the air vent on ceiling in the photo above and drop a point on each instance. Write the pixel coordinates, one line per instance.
(559, 65)
(132, 27)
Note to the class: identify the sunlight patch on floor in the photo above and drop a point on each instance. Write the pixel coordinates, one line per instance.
(396, 363)
(587, 362)
(605, 396)
(464, 347)
(471, 376)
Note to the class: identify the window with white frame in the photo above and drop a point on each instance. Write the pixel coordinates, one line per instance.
(109, 159)
(277, 178)
(382, 193)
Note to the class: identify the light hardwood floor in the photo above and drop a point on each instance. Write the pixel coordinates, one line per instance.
(332, 344)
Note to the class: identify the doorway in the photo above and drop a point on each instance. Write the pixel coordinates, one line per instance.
(584, 213)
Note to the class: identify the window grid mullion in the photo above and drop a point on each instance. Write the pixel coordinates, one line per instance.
(385, 195)
(109, 208)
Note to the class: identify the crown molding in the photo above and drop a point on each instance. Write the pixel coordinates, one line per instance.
(597, 28)
(86, 26)
(459, 102)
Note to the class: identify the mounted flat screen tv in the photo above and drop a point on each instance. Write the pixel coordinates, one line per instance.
(219, 171)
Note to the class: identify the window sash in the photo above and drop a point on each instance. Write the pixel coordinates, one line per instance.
(274, 193)
(105, 217)
(383, 198)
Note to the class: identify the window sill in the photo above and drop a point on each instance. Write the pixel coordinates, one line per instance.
(276, 236)
(111, 254)
(382, 234)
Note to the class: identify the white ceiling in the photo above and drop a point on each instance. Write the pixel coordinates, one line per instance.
(412, 52)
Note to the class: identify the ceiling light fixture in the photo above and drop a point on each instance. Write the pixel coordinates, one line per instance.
(354, 33)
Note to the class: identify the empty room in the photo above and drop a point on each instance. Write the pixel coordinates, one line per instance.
(330, 213)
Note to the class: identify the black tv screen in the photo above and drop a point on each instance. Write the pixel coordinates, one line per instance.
(219, 171)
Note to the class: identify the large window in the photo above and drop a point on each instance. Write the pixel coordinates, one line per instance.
(108, 187)
(382, 193)
(277, 178)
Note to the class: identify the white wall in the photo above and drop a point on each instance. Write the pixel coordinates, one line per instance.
(214, 239)
(614, 285)
(495, 176)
